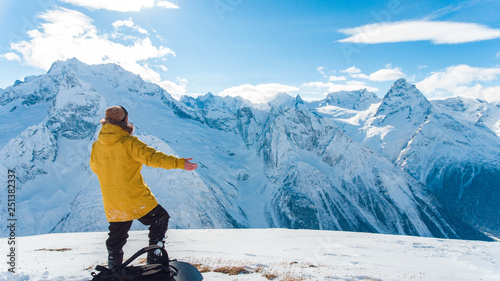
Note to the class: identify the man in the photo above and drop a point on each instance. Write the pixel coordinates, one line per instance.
(117, 158)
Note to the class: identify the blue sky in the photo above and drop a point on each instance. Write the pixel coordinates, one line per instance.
(257, 48)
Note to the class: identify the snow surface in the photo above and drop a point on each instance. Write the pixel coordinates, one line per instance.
(299, 254)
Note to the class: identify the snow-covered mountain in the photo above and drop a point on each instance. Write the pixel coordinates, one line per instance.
(450, 146)
(355, 100)
(478, 112)
(279, 165)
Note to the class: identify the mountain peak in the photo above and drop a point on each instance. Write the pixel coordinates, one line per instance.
(75, 66)
(403, 97)
(402, 88)
(401, 81)
(73, 63)
(299, 100)
(282, 99)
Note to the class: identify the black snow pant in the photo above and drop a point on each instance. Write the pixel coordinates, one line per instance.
(157, 219)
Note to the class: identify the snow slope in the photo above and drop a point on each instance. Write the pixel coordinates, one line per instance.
(283, 253)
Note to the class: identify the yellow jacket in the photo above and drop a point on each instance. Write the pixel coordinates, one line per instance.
(117, 159)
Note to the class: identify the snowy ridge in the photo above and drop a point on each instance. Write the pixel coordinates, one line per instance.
(356, 100)
(281, 165)
(352, 188)
(449, 146)
(475, 111)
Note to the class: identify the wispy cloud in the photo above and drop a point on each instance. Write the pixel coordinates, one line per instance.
(330, 74)
(336, 78)
(462, 80)
(130, 24)
(360, 76)
(329, 87)
(321, 70)
(450, 9)
(438, 32)
(352, 70)
(381, 75)
(386, 74)
(10, 57)
(261, 93)
(122, 5)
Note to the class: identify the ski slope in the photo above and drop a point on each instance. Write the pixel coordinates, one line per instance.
(265, 253)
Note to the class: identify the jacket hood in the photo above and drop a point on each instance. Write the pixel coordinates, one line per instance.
(110, 134)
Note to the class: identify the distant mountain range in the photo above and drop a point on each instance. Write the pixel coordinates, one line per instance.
(398, 165)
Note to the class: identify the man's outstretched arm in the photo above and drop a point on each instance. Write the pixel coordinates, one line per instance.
(188, 166)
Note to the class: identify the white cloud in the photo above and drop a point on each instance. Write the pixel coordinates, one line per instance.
(321, 70)
(381, 75)
(438, 32)
(67, 33)
(130, 24)
(411, 79)
(360, 76)
(356, 83)
(141, 30)
(167, 5)
(176, 89)
(122, 5)
(11, 57)
(261, 93)
(119, 23)
(330, 87)
(336, 78)
(462, 80)
(387, 74)
(352, 70)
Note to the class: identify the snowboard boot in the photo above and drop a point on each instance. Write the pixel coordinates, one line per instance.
(115, 259)
(155, 257)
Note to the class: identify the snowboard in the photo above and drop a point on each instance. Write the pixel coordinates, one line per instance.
(186, 271)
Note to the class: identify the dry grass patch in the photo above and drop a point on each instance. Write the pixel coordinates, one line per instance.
(201, 267)
(270, 276)
(231, 270)
(54, 250)
(235, 267)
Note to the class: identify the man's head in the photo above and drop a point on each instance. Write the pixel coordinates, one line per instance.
(117, 113)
